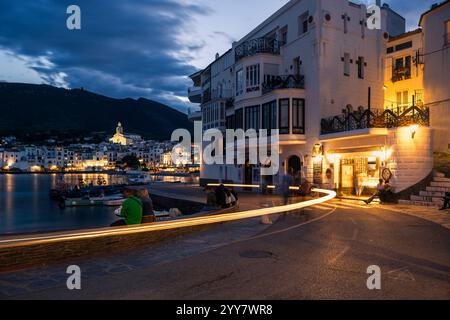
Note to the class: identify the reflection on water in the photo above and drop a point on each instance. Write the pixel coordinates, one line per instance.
(25, 205)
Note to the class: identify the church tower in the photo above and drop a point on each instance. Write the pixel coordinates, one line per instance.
(119, 128)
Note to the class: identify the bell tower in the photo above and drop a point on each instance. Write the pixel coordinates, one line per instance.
(119, 128)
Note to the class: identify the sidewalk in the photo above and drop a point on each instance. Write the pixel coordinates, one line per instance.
(428, 213)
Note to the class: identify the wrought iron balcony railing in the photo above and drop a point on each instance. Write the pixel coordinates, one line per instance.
(256, 46)
(364, 119)
(283, 82)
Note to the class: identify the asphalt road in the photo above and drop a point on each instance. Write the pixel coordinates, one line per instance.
(326, 258)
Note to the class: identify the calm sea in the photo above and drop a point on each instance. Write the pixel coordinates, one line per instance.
(25, 205)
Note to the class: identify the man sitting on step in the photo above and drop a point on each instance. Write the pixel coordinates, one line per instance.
(446, 201)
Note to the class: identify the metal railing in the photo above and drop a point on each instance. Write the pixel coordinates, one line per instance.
(364, 119)
(257, 46)
(283, 82)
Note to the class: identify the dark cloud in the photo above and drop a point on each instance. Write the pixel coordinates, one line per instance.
(125, 48)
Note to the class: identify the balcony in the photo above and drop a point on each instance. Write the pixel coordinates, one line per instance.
(194, 114)
(222, 94)
(366, 119)
(272, 83)
(257, 46)
(206, 96)
(195, 94)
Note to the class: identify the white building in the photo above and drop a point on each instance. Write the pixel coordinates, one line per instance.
(316, 72)
(436, 59)
(125, 139)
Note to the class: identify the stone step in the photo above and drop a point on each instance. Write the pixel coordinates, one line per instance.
(441, 179)
(438, 189)
(431, 194)
(439, 175)
(419, 203)
(427, 199)
(440, 184)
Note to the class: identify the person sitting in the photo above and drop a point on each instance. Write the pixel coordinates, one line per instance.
(377, 194)
(234, 197)
(446, 201)
(387, 194)
(221, 196)
(131, 210)
(148, 215)
(210, 197)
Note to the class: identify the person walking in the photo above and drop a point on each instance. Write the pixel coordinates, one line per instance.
(131, 210)
(377, 194)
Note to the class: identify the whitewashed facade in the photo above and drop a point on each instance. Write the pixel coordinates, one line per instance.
(304, 66)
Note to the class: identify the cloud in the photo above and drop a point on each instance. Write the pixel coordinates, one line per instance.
(131, 48)
(124, 49)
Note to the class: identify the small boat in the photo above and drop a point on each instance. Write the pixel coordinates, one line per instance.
(140, 179)
(113, 200)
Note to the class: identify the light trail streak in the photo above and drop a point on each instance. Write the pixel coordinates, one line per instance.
(166, 225)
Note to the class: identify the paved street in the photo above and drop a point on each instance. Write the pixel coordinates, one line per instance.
(320, 253)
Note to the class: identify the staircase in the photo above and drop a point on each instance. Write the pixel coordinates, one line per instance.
(432, 196)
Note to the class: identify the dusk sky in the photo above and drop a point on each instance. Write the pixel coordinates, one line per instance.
(132, 48)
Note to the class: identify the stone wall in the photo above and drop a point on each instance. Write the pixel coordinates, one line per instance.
(411, 158)
(19, 257)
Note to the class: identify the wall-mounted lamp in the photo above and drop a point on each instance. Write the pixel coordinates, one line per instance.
(413, 130)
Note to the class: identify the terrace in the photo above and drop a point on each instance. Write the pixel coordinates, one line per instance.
(367, 119)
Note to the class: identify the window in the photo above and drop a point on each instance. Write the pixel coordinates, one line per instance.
(298, 116)
(297, 66)
(402, 100)
(361, 67)
(401, 69)
(230, 123)
(252, 78)
(238, 118)
(252, 118)
(403, 46)
(347, 64)
(269, 116)
(284, 116)
(239, 82)
(303, 23)
(346, 19)
(283, 35)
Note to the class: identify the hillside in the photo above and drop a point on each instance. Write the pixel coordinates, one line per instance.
(29, 108)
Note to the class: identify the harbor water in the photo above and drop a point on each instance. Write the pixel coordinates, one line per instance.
(25, 205)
